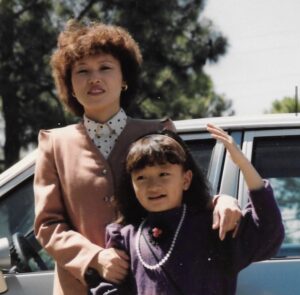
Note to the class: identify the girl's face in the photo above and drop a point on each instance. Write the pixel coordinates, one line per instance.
(160, 187)
(97, 81)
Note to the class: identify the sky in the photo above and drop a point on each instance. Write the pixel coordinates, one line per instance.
(262, 63)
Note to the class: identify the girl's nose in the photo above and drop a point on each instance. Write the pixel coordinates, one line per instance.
(153, 184)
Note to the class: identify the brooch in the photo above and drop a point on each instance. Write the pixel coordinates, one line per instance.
(155, 235)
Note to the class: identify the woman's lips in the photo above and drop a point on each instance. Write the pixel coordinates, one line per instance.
(95, 90)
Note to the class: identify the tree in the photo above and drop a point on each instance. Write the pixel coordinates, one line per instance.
(26, 89)
(285, 105)
(175, 46)
(174, 43)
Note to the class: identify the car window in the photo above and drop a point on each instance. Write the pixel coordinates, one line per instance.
(17, 215)
(47, 259)
(17, 210)
(202, 151)
(277, 159)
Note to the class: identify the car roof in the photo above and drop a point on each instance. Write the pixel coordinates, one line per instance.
(267, 121)
(25, 167)
(18, 172)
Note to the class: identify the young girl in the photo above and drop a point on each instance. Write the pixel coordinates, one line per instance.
(168, 233)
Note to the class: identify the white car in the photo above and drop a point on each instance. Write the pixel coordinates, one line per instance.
(271, 142)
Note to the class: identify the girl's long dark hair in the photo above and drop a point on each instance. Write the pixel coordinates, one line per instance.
(154, 152)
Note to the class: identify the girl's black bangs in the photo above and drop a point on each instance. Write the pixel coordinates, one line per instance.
(155, 158)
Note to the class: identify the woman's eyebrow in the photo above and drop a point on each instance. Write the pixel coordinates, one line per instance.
(80, 63)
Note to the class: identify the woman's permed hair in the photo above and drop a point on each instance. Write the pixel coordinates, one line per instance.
(158, 149)
(79, 40)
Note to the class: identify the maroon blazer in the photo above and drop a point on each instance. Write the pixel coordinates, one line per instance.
(73, 186)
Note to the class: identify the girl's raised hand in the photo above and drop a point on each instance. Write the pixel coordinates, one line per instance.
(235, 153)
(252, 177)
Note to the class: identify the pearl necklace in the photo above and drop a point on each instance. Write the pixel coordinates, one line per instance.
(167, 256)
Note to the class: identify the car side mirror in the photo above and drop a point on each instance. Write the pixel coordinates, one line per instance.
(5, 262)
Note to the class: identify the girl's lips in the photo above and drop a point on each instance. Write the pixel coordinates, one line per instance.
(156, 197)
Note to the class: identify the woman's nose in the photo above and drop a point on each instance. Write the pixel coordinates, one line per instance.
(94, 77)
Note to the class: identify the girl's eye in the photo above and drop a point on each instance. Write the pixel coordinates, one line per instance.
(140, 177)
(104, 68)
(162, 174)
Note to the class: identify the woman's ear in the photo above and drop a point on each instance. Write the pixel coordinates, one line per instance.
(187, 179)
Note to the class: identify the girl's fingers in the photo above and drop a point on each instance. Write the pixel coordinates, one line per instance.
(217, 132)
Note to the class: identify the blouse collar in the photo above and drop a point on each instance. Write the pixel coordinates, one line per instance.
(115, 125)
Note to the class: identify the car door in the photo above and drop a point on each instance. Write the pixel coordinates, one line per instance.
(275, 154)
(203, 147)
(16, 216)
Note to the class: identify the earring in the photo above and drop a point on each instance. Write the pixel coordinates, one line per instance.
(73, 94)
(124, 87)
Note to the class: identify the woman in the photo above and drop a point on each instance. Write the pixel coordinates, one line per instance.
(96, 69)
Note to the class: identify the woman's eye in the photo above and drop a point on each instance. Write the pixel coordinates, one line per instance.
(82, 71)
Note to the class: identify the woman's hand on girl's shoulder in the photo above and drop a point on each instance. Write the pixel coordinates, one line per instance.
(226, 215)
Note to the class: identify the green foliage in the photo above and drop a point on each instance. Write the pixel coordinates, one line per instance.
(285, 105)
(26, 42)
(174, 43)
(175, 46)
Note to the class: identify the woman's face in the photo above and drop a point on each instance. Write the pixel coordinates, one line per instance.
(97, 81)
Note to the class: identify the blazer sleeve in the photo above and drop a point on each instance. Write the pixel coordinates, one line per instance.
(70, 249)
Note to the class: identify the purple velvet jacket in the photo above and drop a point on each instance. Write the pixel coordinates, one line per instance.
(200, 263)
